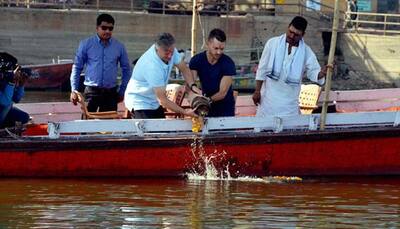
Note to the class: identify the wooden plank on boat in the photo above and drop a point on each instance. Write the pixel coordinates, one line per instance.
(389, 105)
(45, 118)
(368, 95)
(362, 95)
(368, 100)
(228, 124)
(387, 99)
(55, 111)
(45, 108)
(245, 106)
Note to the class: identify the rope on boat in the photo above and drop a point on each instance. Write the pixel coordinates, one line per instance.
(11, 134)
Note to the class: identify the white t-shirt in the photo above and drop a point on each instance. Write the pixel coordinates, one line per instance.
(149, 72)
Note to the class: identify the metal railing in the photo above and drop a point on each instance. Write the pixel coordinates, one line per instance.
(206, 7)
(374, 22)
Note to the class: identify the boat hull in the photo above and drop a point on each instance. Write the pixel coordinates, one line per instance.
(49, 76)
(362, 152)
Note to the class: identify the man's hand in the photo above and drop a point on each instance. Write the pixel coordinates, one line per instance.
(256, 97)
(192, 88)
(196, 90)
(17, 69)
(19, 77)
(324, 71)
(190, 112)
(74, 98)
(22, 81)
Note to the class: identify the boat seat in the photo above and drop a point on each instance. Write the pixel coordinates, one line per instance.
(176, 93)
(95, 115)
(308, 98)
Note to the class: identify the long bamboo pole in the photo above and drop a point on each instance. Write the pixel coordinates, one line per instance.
(194, 28)
(330, 63)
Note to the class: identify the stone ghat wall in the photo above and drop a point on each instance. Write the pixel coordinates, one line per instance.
(37, 36)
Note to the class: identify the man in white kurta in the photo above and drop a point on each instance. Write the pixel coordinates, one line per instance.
(286, 59)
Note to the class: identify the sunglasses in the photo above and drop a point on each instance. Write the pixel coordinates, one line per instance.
(103, 27)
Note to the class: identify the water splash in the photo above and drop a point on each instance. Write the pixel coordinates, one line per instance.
(204, 168)
(268, 180)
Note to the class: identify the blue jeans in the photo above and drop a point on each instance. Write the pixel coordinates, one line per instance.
(9, 115)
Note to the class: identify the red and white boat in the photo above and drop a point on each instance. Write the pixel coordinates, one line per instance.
(356, 143)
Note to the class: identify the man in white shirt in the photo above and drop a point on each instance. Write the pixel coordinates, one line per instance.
(145, 95)
(285, 60)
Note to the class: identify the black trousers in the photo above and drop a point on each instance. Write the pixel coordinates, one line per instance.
(148, 114)
(101, 99)
(11, 116)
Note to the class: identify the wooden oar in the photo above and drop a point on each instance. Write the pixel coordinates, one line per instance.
(330, 63)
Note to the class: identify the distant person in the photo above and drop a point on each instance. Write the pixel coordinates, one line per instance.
(353, 9)
(101, 54)
(215, 71)
(12, 83)
(145, 95)
(69, 3)
(285, 60)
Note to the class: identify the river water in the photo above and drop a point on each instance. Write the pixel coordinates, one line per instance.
(195, 203)
(198, 202)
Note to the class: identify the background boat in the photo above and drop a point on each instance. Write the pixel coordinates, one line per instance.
(50, 76)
